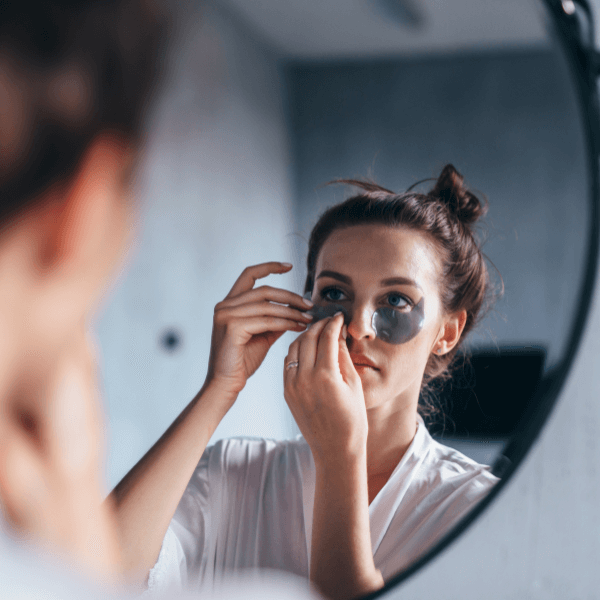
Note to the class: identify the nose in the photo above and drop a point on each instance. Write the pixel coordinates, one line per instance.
(360, 325)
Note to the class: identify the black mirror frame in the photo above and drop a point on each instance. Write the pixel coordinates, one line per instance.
(573, 28)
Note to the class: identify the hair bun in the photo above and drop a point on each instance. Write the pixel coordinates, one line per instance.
(450, 189)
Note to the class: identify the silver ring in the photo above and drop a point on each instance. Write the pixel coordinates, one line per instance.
(292, 365)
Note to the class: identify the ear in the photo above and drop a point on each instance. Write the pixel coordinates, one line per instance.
(450, 332)
(85, 215)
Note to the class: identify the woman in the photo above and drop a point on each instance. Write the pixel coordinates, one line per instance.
(365, 490)
(72, 99)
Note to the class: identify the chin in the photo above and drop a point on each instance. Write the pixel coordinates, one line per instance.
(372, 398)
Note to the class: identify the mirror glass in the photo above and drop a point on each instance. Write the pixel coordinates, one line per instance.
(264, 101)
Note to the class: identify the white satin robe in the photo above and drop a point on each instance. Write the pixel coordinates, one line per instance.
(249, 505)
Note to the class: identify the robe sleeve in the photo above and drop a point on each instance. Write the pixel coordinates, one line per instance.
(183, 555)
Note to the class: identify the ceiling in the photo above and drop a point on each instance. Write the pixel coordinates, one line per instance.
(330, 29)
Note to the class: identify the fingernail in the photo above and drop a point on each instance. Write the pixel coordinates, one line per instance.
(309, 316)
(308, 302)
(287, 265)
(339, 312)
(345, 331)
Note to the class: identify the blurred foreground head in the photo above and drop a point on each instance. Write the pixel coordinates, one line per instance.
(75, 79)
(69, 70)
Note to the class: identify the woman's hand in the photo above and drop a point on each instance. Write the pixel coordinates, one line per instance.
(248, 322)
(324, 392)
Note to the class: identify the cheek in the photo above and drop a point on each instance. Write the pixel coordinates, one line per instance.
(409, 357)
(409, 360)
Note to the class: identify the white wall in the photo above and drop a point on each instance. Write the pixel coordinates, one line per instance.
(216, 177)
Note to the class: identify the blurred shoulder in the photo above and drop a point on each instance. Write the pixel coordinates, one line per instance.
(27, 574)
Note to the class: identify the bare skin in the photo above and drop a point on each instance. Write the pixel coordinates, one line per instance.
(56, 259)
(358, 420)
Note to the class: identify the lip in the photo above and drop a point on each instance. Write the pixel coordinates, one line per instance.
(360, 360)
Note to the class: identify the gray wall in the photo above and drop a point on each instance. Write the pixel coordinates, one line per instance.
(217, 197)
(507, 121)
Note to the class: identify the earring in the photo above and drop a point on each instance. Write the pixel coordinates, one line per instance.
(439, 350)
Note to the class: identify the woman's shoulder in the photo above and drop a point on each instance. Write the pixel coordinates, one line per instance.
(26, 573)
(454, 467)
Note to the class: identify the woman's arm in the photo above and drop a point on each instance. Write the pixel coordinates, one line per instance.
(325, 395)
(246, 324)
(341, 556)
(146, 498)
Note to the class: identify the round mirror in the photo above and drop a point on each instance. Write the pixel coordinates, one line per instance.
(265, 102)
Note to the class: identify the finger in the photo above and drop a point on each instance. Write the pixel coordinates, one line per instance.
(292, 357)
(270, 294)
(328, 344)
(307, 352)
(289, 372)
(293, 351)
(346, 365)
(247, 279)
(262, 309)
(260, 325)
(275, 335)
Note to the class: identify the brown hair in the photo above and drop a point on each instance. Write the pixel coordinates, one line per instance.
(68, 70)
(446, 214)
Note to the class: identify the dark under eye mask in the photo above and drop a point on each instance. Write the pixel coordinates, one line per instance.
(389, 324)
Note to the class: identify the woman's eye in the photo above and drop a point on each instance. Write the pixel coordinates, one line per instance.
(333, 294)
(398, 301)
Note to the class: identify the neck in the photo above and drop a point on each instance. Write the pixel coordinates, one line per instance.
(392, 428)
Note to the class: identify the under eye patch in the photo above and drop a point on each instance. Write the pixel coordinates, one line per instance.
(389, 324)
(398, 327)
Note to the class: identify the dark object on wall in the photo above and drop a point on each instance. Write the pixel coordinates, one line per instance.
(170, 340)
(490, 392)
(407, 13)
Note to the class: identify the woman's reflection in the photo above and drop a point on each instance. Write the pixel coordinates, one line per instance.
(396, 282)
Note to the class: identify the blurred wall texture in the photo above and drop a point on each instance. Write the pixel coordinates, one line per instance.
(216, 197)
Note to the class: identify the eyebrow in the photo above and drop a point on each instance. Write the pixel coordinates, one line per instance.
(401, 281)
(385, 282)
(335, 275)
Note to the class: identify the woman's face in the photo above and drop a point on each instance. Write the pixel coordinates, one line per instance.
(366, 267)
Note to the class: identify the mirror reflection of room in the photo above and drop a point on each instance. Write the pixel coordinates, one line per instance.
(364, 490)
(257, 123)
